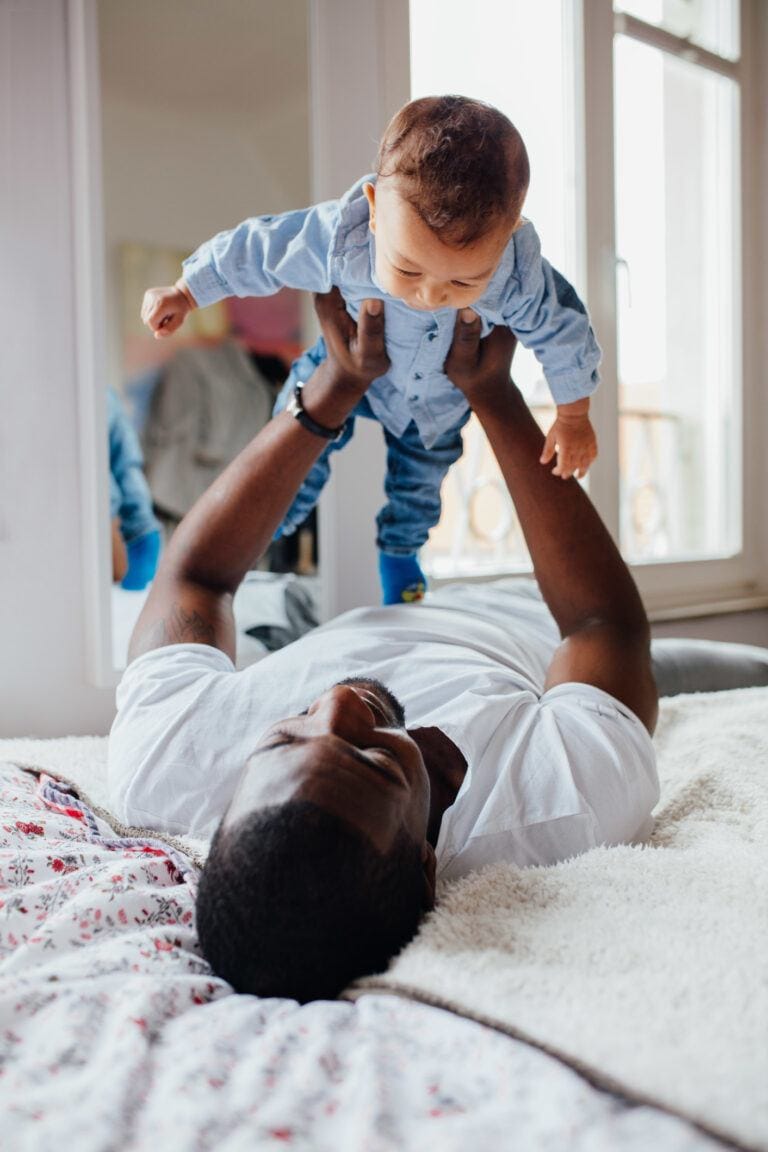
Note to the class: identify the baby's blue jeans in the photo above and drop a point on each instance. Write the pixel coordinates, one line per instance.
(413, 478)
(129, 495)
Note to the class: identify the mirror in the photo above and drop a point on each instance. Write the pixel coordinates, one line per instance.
(204, 113)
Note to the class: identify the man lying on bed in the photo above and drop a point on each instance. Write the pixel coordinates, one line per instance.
(528, 730)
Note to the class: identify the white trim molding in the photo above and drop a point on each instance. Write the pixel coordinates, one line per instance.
(90, 328)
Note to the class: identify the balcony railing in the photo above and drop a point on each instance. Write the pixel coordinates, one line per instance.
(479, 533)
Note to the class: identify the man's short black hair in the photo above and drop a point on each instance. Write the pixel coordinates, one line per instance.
(294, 902)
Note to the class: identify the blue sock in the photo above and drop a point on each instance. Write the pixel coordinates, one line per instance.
(402, 580)
(143, 554)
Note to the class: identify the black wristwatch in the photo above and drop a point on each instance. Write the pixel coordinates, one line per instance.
(296, 409)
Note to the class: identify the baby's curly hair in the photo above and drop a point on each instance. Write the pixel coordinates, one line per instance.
(461, 163)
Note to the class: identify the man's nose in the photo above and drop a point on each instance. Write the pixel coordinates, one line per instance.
(340, 710)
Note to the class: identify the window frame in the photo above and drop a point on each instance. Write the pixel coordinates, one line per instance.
(675, 587)
(738, 581)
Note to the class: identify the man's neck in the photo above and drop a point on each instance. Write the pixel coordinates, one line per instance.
(446, 767)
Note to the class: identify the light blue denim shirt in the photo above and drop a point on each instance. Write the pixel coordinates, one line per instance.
(331, 244)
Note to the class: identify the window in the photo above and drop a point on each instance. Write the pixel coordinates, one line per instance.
(678, 274)
(633, 121)
(508, 51)
(710, 24)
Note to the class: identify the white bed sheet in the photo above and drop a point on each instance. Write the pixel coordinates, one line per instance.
(114, 1034)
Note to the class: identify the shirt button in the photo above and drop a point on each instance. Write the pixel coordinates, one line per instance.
(417, 375)
(414, 399)
(432, 336)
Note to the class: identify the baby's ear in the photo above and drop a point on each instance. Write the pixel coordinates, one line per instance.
(370, 195)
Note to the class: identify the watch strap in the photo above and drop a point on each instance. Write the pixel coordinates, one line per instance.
(295, 407)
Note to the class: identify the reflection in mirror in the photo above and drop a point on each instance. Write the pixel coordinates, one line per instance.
(204, 111)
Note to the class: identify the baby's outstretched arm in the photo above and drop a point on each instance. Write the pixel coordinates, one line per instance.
(164, 309)
(573, 439)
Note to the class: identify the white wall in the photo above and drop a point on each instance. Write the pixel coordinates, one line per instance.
(176, 180)
(192, 141)
(45, 688)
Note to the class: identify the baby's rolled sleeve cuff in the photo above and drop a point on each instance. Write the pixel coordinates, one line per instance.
(569, 386)
(204, 282)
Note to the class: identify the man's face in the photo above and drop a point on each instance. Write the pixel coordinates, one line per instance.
(349, 754)
(414, 265)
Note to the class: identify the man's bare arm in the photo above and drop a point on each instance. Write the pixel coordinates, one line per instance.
(586, 584)
(231, 525)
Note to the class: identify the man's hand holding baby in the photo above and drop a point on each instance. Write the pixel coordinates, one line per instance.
(356, 356)
(474, 366)
(358, 350)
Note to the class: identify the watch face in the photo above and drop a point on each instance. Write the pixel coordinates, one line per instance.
(293, 407)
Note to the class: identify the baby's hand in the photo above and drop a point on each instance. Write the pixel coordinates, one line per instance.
(572, 437)
(164, 309)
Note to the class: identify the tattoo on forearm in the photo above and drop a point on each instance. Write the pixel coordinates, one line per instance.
(182, 627)
(178, 627)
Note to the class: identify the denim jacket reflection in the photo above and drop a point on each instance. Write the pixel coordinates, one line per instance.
(130, 499)
(331, 244)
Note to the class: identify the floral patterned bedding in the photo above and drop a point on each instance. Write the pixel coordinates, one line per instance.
(115, 1035)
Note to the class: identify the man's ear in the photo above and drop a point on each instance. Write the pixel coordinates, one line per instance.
(370, 195)
(429, 862)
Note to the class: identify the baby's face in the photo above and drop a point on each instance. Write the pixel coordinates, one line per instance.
(413, 265)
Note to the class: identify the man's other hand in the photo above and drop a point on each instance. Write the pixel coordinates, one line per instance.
(476, 366)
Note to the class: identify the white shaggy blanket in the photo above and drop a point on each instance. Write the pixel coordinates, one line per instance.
(646, 968)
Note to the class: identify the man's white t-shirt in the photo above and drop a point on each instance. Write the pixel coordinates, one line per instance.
(549, 774)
